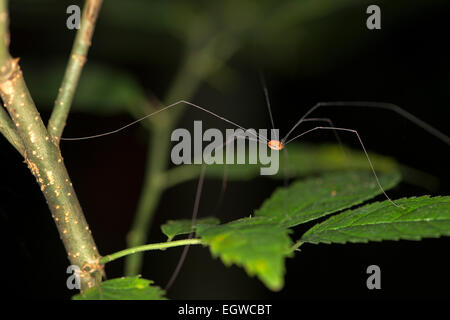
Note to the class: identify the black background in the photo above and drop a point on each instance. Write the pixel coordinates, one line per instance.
(404, 63)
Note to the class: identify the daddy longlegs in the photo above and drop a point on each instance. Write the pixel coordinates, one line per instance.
(281, 144)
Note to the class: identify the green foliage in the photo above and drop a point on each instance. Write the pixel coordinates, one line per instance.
(103, 90)
(214, 31)
(129, 288)
(310, 199)
(173, 228)
(288, 32)
(257, 246)
(303, 159)
(260, 244)
(414, 219)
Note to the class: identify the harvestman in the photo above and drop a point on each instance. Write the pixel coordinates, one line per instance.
(280, 144)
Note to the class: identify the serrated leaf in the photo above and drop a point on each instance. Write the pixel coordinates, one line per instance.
(173, 228)
(416, 218)
(253, 244)
(129, 288)
(311, 199)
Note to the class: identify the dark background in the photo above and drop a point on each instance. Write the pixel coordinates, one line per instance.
(330, 58)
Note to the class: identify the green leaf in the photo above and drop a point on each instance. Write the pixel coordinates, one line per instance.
(260, 244)
(129, 288)
(303, 159)
(310, 199)
(102, 89)
(173, 228)
(416, 218)
(257, 246)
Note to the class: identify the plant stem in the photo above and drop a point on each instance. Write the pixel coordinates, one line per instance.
(198, 64)
(9, 131)
(148, 247)
(150, 194)
(45, 162)
(157, 156)
(4, 33)
(296, 245)
(75, 65)
(6, 126)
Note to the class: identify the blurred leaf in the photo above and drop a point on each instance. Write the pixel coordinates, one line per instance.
(102, 90)
(173, 228)
(289, 33)
(173, 17)
(129, 288)
(302, 160)
(257, 246)
(417, 218)
(310, 199)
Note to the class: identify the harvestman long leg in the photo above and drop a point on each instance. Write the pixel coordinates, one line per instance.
(196, 207)
(379, 105)
(336, 135)
(201, 179)
(363, 148)
(225, 176)
(258, 139)
(200, 188)
(191, 234)
(328, 120)
(286, 153)
(224, 179)
(155, 113)
(304, 118)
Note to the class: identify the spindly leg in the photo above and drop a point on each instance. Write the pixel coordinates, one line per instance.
(362, 146)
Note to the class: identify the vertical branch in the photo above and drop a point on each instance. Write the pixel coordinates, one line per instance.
(150, 194)
(156, 164)
(10, 133)
(44, 160)
(4, 34)
(77, 59)
(6, 125)
(198, 64)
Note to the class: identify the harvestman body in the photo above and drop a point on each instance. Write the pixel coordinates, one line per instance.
(280, 144)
